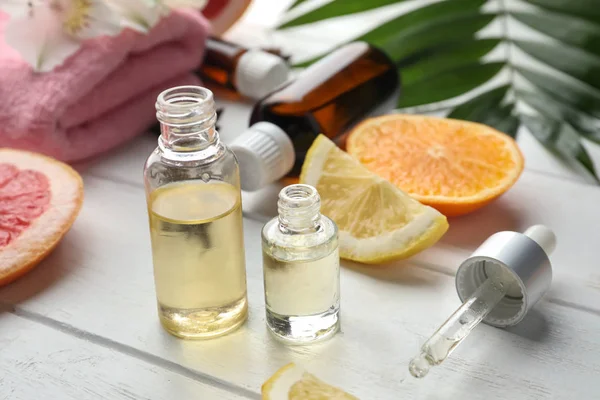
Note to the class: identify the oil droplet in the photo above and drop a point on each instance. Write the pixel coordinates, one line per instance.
(419, 366)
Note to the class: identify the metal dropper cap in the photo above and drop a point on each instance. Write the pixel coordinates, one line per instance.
(521, 261)
(498, 284)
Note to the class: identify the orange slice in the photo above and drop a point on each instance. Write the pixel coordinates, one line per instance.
(454, 166)
(39, 200)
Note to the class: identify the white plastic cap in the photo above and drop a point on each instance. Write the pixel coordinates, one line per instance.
(265, 153)
(258, 73)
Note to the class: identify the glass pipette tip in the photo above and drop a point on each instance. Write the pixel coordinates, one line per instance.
(458, 326)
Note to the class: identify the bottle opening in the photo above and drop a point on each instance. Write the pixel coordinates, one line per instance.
(180, 103)
(299, 207)
(185, 95)
(299, 193)
(187, 115)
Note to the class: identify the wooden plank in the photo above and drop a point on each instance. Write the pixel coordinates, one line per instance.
(37, 362)
(99, 280)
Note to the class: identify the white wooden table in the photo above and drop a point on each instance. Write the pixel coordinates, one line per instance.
(83, 324)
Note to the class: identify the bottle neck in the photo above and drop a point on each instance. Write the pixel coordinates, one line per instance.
(299, 207)
(220, 50)
(187, 117)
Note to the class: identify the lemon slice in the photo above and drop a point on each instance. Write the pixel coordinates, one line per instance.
(292, 382)
(377, 221)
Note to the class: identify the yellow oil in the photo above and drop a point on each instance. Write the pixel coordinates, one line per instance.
(302, 298)
(198, 257)
(301, 288)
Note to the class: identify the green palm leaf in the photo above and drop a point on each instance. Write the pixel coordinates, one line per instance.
(577, 96)
(448, 84)
(336, 8)
(490, 109)
(561, 138)
(441, 56)
(423, 28)
(550, 106)
(572, 61)
(573, 31)
(295, 4)
(469, 52)
(587, 9)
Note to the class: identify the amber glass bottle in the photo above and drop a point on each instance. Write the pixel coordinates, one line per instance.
(352, 83)
(250, 72)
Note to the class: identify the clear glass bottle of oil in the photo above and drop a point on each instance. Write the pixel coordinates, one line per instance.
(194, 206)
(331, 96)
(301, 269)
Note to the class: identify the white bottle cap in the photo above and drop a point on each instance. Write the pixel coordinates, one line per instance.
(258, 73)
(265, 153)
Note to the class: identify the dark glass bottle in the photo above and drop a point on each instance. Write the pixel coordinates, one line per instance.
(250, 72)
(352, 83)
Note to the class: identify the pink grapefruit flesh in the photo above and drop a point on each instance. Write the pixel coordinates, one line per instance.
(39, 201)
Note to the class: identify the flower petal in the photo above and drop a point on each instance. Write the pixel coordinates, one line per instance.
(56, 50)
(140, 15)
(102, 21)
(14, 8)
(40, 39)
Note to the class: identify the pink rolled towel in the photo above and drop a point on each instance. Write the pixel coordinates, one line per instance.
(101, 96)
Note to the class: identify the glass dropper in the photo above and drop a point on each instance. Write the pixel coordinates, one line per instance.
(511, 262)
(458, 326)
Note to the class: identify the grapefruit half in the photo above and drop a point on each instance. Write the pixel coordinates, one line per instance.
(39, 201)
(222, 14)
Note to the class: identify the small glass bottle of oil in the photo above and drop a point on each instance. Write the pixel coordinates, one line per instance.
(331, 96)
(194, 206)
(250, 72)
(301, 269)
